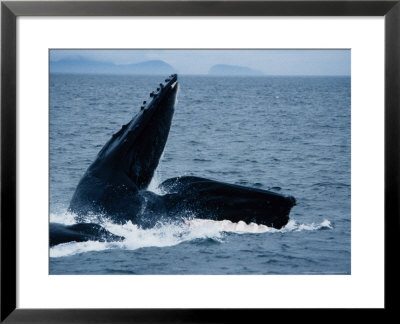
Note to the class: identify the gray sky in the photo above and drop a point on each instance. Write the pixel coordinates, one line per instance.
(270, 62)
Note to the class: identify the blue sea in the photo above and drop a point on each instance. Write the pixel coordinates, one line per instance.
(290, 135)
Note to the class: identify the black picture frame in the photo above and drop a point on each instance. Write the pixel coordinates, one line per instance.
(10, 10)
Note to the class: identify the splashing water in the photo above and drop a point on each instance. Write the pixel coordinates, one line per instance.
(164, 235)
(156, 181)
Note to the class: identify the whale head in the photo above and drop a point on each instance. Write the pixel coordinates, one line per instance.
(135, 150)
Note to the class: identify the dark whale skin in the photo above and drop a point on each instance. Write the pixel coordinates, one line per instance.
(216, 200)
(60, 233)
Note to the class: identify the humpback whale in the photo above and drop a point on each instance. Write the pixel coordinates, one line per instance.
(115, 184)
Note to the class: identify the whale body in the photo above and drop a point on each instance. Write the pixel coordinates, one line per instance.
(115, 184)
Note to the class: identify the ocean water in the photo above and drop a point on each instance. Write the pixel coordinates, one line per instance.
(286, 134)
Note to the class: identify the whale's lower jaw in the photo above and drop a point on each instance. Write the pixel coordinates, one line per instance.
(272, 218)
(209, 199)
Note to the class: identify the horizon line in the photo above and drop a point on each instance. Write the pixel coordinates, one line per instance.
(206, 74)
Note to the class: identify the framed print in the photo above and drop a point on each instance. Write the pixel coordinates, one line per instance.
(185, 157)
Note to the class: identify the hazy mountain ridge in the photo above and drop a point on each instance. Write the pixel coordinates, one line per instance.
(82, 65)
(227, 70)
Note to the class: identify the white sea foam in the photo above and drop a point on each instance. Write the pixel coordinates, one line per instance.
(156, 181)
(72, 248)
(170, 234)
(65, 218)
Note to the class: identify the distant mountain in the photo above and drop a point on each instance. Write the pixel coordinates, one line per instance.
(86, 66)
(148, 67)
(231, 70)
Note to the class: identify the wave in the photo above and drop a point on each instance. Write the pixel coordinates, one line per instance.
(164, 235)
